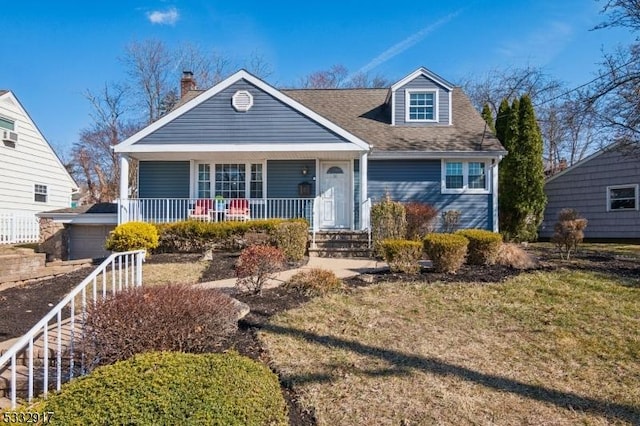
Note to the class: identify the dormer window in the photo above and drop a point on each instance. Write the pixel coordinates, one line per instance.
(422, 105)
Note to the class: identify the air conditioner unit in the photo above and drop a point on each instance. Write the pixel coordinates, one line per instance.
(9, 136)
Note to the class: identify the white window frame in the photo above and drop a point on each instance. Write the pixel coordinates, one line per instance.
(247, 168)
(631, 185)
(436, 110)
(465, 177)
(45, 193)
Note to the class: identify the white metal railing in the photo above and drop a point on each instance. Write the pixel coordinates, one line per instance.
(315, 222)
(162, 210)
(18, 227)
(366, 218)
(57, 330)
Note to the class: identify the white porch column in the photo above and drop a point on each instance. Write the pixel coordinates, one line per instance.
(123, 202)
(494, 189)
(364, 167)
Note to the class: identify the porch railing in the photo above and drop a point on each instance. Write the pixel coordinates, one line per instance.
(17, 227)
(55, 336)
(366, 218)
(161, 210)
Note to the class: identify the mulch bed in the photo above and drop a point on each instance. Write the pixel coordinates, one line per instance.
(23, 306)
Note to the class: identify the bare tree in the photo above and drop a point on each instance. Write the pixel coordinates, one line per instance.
(96, 165)
(257, 64)
(149, 65)
(337, 76)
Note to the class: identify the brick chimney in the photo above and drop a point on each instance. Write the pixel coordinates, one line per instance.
(187, 83)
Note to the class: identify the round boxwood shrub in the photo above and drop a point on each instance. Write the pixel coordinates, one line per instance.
(402, 255)
(314, 282)
(291, 237)
(446, 251)
(133, 236)
(484, 246)
(171, 388)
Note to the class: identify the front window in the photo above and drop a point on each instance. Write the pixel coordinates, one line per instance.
(204, 181)
(622, 197)
(256, 181)
(7, 124)
(40, 193)
(421, 106)
(465, 176)
(231, 180)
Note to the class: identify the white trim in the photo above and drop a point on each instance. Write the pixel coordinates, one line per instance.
(450, 107)
(127, 145)
(212, 177)
(124, 177)
(46, 192)
(314, 147)
(494, 188)
(242, 101)
(465, 177)
(407, 102)
(434, 155)
(422, 71)
(349, 196)
(631, 185)
(192, 182)
(393, 108)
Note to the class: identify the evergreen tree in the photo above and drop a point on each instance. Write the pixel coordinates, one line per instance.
(522, 199)
(488, 117)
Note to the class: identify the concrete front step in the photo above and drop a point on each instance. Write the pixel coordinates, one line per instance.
(340, 252)
(341, 244)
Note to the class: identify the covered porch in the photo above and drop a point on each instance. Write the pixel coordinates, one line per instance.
(327, 189)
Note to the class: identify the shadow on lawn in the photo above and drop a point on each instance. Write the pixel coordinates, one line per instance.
(405, 362)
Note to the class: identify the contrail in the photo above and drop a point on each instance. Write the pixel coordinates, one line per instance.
(398, 48)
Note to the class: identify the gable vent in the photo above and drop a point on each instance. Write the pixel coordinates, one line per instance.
(242, 101)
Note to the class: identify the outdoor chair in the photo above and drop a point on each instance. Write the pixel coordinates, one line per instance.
(201, 210)
(238, 210)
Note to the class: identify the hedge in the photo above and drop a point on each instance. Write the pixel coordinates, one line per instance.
(446, 251)
(484, 246)
(402, 255)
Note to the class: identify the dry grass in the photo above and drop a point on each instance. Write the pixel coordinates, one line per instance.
(543, 348)
(513, 255)
(173, 273)
(612, 249)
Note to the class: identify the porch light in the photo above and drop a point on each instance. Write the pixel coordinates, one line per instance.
(304, 171)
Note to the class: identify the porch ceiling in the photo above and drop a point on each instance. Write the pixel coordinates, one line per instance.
(245, 156)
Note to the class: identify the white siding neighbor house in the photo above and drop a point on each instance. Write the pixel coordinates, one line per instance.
(32, 177)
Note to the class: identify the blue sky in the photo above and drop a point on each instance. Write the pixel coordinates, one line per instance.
(54, 51)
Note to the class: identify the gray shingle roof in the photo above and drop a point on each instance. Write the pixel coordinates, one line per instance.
(363, 112)
(97, 208)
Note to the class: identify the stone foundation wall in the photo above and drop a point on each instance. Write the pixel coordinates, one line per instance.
(54, 239)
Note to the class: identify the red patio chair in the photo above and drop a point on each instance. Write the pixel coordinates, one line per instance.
(238, 209)
(202, 209)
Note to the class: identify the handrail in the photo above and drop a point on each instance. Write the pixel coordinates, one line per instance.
(129, 262)
(366, 218)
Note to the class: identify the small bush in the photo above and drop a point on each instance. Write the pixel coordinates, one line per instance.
(133, 236)
(165, 388)
(446, 251)
(291, 237)
(514, 256)
(314, 282)
(484, 246)
(161, 318)
(419, 219)
(568, 232)
(256, 265)
(402, 255)
(194, 236)
(450, 220)
(388, 220)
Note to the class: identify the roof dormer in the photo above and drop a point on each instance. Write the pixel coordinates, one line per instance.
(422, 98)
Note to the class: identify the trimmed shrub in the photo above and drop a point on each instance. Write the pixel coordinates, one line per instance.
(133, 236)
(314, 282)
(402, 255)
(484, 246)
(388, 220)
(166, 388)
(291, 237)
(194, 236)
(446, 251)
(568, 232)
(161, 318)
(419, 219)
(256, 265)
(450, 220)
(513, 256)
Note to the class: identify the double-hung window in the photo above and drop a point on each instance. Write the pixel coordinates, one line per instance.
(230, 180)
(464, 176)
(40, 193)
(622, 197)
(422, 105)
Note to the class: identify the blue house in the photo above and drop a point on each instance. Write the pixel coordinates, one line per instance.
(245, 149)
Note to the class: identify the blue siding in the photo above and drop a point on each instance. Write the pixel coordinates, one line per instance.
(284, 176)
(163, 179)
(216, 122)
(419, 181)
(584, 188)
(422, 82)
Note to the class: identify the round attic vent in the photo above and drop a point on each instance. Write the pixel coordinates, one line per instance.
(242, 101)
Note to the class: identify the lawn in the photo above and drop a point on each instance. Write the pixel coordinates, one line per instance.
(558, 347)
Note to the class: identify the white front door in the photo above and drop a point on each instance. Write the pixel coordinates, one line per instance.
(334, 194)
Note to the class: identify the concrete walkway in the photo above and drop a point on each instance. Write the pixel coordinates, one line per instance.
(342, 267)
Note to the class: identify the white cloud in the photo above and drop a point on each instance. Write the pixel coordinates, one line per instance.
(408, 42)
(166, 17)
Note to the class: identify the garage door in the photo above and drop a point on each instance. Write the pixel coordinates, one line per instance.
(87, 241)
